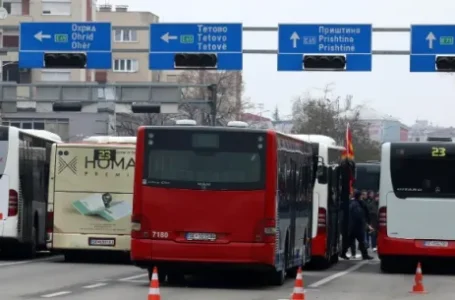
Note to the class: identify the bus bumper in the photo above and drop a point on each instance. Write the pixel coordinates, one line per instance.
(388, 246)
(146, 253)
(319, 246)
(72, 241)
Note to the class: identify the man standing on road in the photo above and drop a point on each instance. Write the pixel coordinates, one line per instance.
(359, 219)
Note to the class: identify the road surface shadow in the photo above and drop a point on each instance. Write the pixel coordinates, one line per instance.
(9, 257)
(95, 257)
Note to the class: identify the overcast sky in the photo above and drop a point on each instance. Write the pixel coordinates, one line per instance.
(389, 88)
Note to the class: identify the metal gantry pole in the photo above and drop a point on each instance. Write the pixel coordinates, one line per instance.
(245, 29)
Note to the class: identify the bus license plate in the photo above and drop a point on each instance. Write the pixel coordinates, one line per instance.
(436, 244)
(104, 242)
(196, 236)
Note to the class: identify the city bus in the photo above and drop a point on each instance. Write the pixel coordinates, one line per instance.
(24, 172)
(416, 203)
(325, 235)
(217, 198)
(90, 196)
(367, 176)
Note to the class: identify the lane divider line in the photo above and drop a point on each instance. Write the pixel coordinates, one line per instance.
(96, 285)
(339, 274)
(133, 277)
(56, 294)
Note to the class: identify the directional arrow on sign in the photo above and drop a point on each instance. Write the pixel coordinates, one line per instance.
(294, 38)
(430, 38)
(40, 36)
(167, 37)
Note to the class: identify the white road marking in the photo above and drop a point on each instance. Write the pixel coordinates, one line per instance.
(56, 294)
(339, 274)
(92, 286)
(138, 281)
(133, 277)
(23, 262)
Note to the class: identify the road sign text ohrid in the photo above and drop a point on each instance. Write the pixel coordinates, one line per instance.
(191, 60)
(324, 62)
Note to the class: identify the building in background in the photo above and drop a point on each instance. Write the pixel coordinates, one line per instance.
(423, 129)
(128, 67)
(284, 126)
(256, 121)
(382, 127)
(40, 11)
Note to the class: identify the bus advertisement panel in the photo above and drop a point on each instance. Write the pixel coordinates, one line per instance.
(91, 197)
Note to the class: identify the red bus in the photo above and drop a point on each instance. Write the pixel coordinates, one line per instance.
(215, 198)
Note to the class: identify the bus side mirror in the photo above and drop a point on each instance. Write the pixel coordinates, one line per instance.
(321, 174)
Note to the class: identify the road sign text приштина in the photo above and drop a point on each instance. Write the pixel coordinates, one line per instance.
(345, 47)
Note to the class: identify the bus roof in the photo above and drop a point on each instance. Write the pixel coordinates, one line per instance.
(42, 134)
(110, 140)
(318, 138)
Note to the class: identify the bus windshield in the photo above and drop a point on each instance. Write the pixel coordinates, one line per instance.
(207, 160)
(421, 171)
(367, 176)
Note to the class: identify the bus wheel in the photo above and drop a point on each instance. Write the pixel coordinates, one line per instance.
(389, 265)
(28, 250)
(175, 278)
(278, 278)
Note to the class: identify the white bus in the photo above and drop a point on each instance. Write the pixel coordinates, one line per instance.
(416, 203)
(325, 244)
(90, 196)
(24, 177)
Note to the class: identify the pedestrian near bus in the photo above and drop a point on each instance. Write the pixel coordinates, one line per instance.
(359, 220)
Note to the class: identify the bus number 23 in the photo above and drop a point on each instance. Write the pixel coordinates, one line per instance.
(438, 151)
(160, 234)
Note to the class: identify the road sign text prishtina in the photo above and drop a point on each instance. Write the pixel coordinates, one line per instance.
(325, 43)
(195, 45)
(68, 41)
(432, 48)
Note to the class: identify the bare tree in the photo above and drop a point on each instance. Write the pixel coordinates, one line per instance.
(230, 88)
(329, 115)
(127, 124)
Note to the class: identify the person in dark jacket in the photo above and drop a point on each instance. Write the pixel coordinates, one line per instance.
(373, 208)
(359, 220)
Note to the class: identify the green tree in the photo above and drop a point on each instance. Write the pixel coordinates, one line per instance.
(331, 117)
(276, 114)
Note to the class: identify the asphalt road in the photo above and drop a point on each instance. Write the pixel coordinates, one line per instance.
(51, 277)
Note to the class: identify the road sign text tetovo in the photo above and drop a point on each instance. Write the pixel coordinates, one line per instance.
(432, 48)
(325, 47)
(196, 46)
(65, 45)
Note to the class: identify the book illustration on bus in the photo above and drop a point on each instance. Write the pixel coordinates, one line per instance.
(102, 205)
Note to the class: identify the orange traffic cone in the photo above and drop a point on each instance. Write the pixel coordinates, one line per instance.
(154, 290)
(299, 293)
(418, 285)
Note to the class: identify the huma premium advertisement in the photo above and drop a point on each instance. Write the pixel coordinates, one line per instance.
(93, 188)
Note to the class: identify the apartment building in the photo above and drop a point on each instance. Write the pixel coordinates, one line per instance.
(40, 11)
(128, 66)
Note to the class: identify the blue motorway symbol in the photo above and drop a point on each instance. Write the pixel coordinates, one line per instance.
(91, 38)
(352, 40)
(167, 39)
(428, 41)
